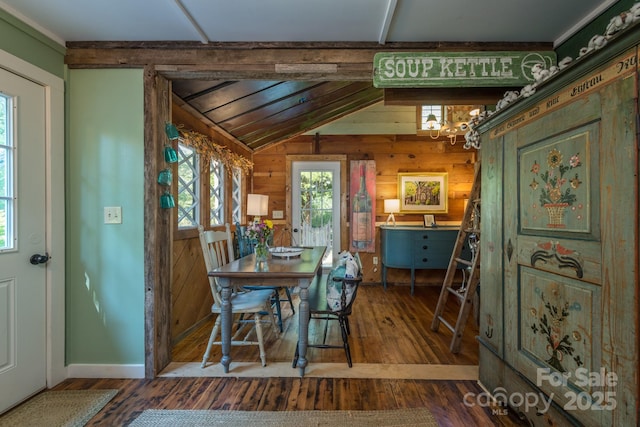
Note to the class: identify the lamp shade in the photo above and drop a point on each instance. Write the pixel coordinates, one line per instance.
(431, 121)
(392, 206)
(257, 204)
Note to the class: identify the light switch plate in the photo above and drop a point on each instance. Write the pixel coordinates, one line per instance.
(113, 215)
(278, 214)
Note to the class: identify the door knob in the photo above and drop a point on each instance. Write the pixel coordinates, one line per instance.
(39, 259)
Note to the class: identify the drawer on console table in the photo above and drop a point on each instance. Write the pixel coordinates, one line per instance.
(418, 248)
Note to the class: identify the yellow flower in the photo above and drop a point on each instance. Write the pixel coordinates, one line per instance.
(554, 159)
(575, 182)
(268, 223)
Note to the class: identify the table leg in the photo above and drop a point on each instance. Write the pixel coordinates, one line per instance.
(384, 276)
(303, 329)
(225, 327)
(413, 280)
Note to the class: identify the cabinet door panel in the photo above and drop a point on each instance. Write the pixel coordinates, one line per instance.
(559, 167)
(559, 327)
(397, 248)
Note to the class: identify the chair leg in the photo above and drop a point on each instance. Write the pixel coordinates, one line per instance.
(212, 337)
(345, 339)
(278, 308)
(273, 321)
(263, 355)
(294, 364)
(288, 292)
(346, 322)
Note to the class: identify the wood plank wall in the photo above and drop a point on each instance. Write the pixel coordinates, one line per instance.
(393, 154)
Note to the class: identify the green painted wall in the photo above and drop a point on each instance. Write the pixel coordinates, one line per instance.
(26, 43)
(105, 167)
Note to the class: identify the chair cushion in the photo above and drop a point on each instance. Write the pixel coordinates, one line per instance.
(334, 289)
(251, 301)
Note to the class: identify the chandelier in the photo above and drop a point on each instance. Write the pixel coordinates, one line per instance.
(455, 121)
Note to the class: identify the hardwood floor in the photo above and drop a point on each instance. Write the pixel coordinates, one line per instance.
(387, 327)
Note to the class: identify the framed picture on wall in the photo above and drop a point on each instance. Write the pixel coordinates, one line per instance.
(429, 221)
(423, 192)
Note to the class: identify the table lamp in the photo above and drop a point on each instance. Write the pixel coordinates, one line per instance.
(391, 206)
(257, 205)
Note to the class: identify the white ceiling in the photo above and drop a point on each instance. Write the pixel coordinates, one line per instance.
(379, 21)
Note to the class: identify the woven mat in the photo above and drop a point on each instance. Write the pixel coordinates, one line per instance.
(68, 408)
(179, 418)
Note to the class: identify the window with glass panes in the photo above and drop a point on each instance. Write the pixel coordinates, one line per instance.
(216, 193)
(188, 187)
(7, 181)
(236, 196)
(423, 113)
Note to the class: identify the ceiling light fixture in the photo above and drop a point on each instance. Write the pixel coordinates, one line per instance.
(451, 128)
(432, 124)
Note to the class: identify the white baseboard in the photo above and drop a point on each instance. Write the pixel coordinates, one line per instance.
(105, 371)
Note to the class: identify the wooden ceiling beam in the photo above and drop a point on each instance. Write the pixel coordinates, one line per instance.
(215, 55)
(444, 96)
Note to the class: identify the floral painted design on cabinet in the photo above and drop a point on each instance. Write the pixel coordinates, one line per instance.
(550, 325)
(558, 322)
(554, 184)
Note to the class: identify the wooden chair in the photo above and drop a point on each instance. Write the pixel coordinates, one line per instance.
(217, 249)
(244, 246)
(323, 308)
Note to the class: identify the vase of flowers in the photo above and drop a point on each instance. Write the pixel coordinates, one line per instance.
(260, 233)
(558, 186)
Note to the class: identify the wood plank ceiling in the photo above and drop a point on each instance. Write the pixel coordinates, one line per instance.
(260, 113)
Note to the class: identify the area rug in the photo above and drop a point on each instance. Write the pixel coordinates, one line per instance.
(182, 418)
(68, 408)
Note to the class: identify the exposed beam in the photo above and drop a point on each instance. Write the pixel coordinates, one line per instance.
(257, 56)
(203, 36)
(388, 17)
(444, 96)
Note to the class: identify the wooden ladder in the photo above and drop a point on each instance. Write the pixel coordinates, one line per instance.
(469, 233)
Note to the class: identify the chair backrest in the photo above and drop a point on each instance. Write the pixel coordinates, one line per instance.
(217, 250)
(244, 243)
(341, 290)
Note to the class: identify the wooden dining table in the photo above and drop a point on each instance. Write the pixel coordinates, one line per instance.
(295, 271)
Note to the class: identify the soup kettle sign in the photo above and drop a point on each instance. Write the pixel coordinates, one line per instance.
(457, 69)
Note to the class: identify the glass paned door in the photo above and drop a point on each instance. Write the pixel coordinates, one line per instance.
(315, 202)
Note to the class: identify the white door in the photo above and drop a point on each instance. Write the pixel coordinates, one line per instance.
(22, 234)
(315, 206)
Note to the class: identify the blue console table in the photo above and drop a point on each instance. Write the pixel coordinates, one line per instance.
(417, 248)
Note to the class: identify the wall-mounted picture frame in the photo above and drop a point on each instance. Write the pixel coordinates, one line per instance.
(429, 220)
(423, 192)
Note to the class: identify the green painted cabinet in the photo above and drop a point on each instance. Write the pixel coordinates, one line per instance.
(417, 248)
(559, 272)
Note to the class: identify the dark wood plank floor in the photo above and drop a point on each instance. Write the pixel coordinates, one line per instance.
(387, 327)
